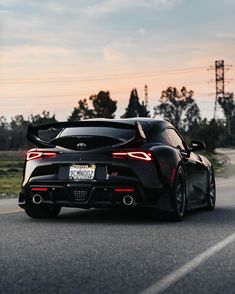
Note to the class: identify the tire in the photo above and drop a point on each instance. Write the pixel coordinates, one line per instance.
(42, 211)
(211, 191)
(178, 195)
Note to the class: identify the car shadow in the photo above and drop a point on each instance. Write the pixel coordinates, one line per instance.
(220, 216)
(116, 215)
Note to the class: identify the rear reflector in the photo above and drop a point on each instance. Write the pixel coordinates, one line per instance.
(39, 189)
(124, 190)
(39, 155)
(138, 155)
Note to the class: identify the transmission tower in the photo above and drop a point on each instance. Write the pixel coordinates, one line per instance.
(146, 95)
(219, 82)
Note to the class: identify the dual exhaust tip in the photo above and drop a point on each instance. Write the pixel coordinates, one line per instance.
(37, 199)
(128, 200)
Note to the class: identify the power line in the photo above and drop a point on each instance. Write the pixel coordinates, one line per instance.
(94, 78)
(71, 104)
(102, 78)
(76, 95)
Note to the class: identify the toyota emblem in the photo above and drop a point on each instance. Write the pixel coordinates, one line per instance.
(81, 146)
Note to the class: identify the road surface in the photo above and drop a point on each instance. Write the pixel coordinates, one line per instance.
(102, 251)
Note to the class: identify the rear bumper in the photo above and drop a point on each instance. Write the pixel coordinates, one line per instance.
(92, 194)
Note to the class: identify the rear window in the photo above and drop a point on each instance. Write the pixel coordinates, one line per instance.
(123, 134)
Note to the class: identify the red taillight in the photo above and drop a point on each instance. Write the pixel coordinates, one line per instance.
(33, 155)
(38, 155)
(139, 155)
(122, 190)
(39, 189)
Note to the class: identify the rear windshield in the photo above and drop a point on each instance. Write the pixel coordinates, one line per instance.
(123, 134)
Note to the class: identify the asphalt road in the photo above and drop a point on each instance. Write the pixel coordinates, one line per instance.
(102, 251)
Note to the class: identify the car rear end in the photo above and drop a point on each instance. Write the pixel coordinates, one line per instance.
(92, 165)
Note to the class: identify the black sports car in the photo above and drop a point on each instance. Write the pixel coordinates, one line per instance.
(109, 163)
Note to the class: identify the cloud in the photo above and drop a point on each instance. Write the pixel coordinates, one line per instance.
(142, 31)
(109, 6)
(24, 56)
(112, 55)
(226, 35)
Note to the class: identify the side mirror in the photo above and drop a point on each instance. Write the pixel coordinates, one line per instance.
(197, 145)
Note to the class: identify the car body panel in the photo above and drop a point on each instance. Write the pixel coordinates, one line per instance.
(150, 182)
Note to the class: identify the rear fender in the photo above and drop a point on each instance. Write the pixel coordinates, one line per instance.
(167, 159)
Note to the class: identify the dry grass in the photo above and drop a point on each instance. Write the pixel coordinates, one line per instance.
(12, 155)
(11, 170)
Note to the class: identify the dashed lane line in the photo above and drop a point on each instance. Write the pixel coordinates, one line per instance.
(188, 267)
(11, 211)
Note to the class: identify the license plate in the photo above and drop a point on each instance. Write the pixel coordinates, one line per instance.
(82, 172)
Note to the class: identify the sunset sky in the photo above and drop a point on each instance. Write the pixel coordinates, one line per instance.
(54, 52)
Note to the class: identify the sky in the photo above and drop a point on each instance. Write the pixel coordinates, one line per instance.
(55, 52)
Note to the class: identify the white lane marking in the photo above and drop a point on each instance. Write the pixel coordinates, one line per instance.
(11, 211)
(179, 273)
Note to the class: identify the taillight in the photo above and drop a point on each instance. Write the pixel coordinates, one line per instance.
(39, 189)
(138, 155)
(124, 190)
(39, 155)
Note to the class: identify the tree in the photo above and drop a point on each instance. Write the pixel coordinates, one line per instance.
(103, 106)
(3, 122)
(135, 108)
(13, 135)
(17, 137)
(4, 133)
(211, 132)
(43, 118)
(179, 108)
(143, 112)
(82, 111)
(18, 121)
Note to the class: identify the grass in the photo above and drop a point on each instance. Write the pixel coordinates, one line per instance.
(12, 155)
(11, 171)
(217, 161)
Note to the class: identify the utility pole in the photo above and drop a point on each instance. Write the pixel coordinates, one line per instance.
(219, 82)
(146, 96)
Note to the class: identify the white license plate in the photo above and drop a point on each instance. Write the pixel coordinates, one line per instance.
(82, 172)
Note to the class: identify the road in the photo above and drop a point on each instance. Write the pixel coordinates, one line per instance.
(102, 251)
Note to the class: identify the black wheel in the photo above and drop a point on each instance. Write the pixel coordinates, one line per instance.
(43, 211)
(211, 191)
(178, 195)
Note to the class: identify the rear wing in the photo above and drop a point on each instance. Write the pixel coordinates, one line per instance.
(33, 131)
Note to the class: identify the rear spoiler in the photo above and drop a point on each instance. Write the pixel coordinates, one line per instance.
(32, 130)
(139, 136)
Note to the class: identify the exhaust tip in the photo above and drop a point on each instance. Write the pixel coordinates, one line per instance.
(128, 200)
(37, 199)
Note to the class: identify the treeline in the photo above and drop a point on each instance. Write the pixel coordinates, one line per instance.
(177, 106)
(13, 133)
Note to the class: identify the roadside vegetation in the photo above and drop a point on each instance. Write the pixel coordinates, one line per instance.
(218, 161)
(11, 170)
